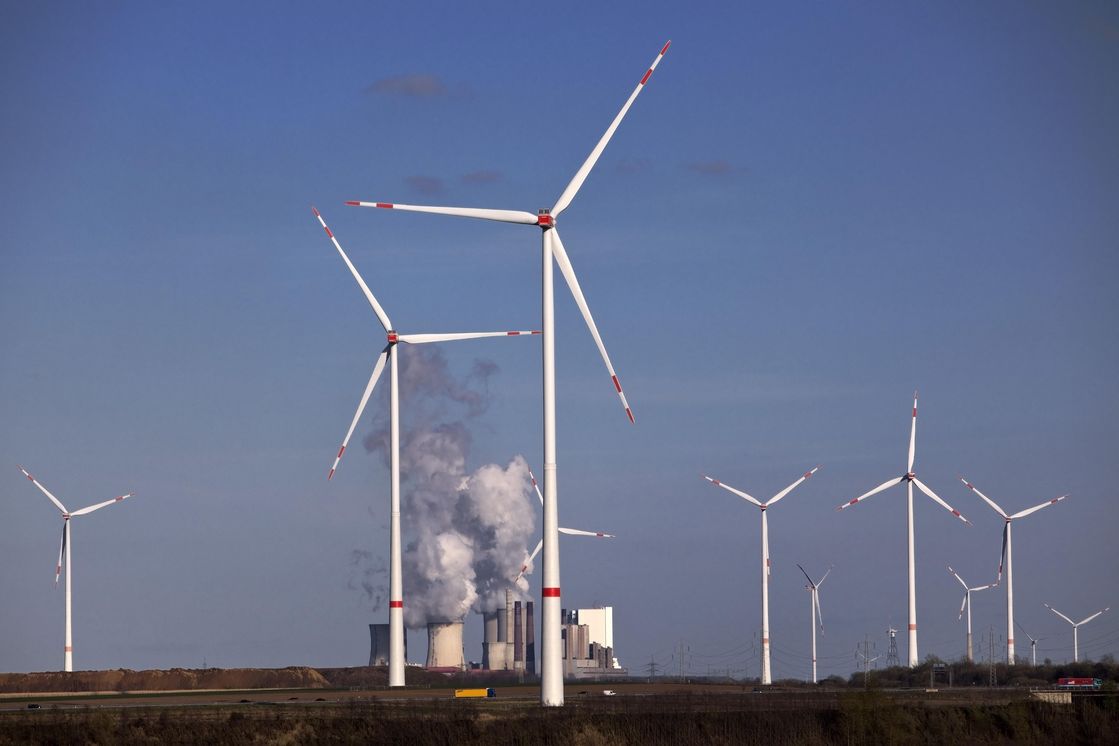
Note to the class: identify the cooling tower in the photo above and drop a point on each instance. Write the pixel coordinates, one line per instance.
(444, 645)
(493, 647)
(379, 644)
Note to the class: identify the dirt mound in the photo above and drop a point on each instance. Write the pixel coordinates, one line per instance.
(124, 680)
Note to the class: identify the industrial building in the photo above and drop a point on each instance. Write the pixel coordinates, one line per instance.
(502, 651)
(588, 644)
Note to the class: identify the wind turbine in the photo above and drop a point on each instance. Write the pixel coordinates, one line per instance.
(551, 663)
(1005, 559)
(1033, 645)
(767, 674)
(815, 590)
(568, 531)
(967, 602)
(64, 552)
(1075, 628)
(388, 354)
(910, 479)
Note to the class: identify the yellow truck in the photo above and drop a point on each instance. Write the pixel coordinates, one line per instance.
(464, 693)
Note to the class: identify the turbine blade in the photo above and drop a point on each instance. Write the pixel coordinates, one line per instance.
(962, 605)
(819, 611)
(1034, 509)
(790, 488)
(811, 585)
(1024, 632)
(728, 488)
(417, 339)
(580, 532)
(536, 486)
(1092, 617)
(98, 506)
(924, 488)
(57, 503)
(61, 554)
(581, 175)
(1062, 616)
(565, 267)
(986, 499)
(1002, 557)
(913, 435)
(381, 315)
(983, 587)
(821, 580)
(527, 562)
(875, 491)
(501, 216)
(957, 577)
(377, 369)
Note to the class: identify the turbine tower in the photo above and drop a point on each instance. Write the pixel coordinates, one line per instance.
(388, 354)
(767, 673)
(1033, 645)
(910, 479)
(1006, 558)
(814, 588)
(551, 659)
(64, 554)
(967, 602)
(1075, 628)
(568, 531)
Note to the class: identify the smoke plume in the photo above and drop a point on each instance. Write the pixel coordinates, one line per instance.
(468, 531)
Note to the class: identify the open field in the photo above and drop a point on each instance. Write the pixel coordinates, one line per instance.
(639, 713)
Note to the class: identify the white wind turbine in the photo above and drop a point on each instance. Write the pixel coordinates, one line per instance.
(64, 552)
(1033, 644)
(1006, 558)
(388, 354)
(967, 602)
(551, 664)
(1075, 628)
(910, 479)
(814, 588)
(568, 531)
(767, 674)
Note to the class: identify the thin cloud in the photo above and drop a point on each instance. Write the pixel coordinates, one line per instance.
(482, 177)
(412, 85)
(425, 184)
(632, 165)
(716, 167)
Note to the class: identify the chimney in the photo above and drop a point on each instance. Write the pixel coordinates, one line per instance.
(493, 647)
(510, 654)
(530, 641)
(518, 638)
(444, 645)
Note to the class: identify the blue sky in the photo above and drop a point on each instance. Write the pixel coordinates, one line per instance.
(810, 211)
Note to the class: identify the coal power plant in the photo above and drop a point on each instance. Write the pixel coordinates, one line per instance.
(509, 638)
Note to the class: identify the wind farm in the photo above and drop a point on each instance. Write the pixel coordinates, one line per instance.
(786, 221)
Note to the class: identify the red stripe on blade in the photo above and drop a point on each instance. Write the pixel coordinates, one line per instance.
(341, 451)
(353, 203)
(327, 229)
(550, 592)
(315, 210)
(330, 475)
(667, 44)
(617, 385)
(630, 415)
(387, 205)
(646, 78)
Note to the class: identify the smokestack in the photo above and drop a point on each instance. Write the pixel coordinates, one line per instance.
(518, 638)
(493, 647)
(444, 645)
(510, 653)
(530, 640)
(379, 644)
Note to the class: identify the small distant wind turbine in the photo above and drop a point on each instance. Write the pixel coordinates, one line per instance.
(388, 354)
(1075, 628)
(1033, 644)
(910, 479)
(1006, 558)
(552, 249)
(814, 588)
(967, 602)
(64, 553)
(568, 531)
(767, 674)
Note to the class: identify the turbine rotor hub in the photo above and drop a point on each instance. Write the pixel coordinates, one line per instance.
(393, 337)
(544, 219)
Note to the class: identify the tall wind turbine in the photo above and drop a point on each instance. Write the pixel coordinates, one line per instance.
(1033, 645)
(967, 602)
(551, 663)
(767, 674)
(388, 354)
(568, 531)
(814, 588)
(64, 553)
(1075, 628)
(1006, 559)
(910, 479)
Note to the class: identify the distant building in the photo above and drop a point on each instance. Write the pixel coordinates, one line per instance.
(588, 644)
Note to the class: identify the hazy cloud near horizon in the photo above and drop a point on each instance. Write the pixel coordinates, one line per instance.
(411, 85)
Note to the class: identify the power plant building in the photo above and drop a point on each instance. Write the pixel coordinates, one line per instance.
(588, 644)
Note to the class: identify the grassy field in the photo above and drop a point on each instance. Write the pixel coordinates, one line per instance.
(671, 716)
